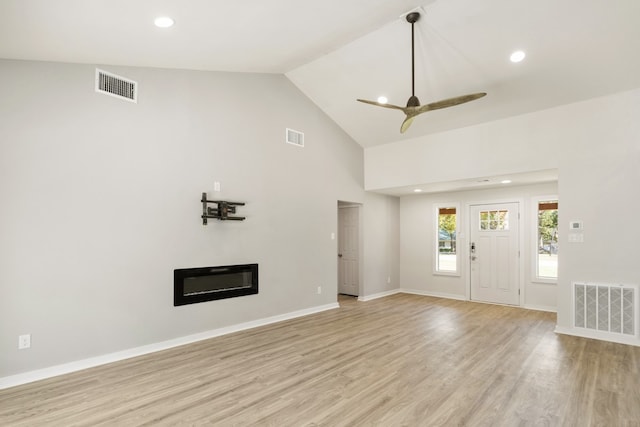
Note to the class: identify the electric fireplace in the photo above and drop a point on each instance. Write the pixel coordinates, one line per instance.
(192, 285)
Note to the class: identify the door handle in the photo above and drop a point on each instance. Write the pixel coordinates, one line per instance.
(339, 255)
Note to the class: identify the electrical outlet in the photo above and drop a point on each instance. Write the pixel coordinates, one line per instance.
(319, 290)
(24, 341)
(388, 279)
(216, 186)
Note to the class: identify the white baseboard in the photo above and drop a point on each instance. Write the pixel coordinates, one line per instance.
(598, 335)
(433, 294)
(540, 308)
(464, 298)
(378, 295)
(66, 368)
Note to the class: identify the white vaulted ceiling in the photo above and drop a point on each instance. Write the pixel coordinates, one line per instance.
(338, 50)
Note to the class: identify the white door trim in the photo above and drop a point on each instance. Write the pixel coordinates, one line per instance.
(467, 232)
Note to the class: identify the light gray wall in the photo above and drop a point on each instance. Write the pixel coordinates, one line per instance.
(595, 145)
(381, 244)
(598, 184)
(418, 242)
(100, 202)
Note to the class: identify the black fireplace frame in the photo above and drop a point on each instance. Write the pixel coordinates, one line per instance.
(180, 274)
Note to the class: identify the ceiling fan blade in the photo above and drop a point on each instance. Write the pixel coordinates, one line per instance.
(379, 104)
(407, 122)
(450, 102)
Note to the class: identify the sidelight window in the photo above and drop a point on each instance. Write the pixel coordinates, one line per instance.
(546, 262)
(446, 259)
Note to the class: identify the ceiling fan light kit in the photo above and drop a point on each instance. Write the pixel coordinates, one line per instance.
(413, 107)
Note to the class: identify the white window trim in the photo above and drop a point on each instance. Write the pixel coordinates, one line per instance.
(436, 248)
(534, 239)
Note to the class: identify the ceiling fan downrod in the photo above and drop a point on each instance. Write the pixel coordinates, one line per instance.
(412, 18)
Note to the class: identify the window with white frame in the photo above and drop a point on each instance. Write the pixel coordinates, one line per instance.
(446, 255)
(546, 253)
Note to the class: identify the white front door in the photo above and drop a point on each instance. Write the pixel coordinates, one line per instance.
(348, 274)
(494, 253)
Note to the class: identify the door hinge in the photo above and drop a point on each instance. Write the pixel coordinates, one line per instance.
(518, 291)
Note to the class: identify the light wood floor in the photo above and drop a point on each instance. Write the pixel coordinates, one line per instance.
(404, 360)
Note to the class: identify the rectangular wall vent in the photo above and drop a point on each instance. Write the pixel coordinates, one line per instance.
(606, 308)
(113, 85)
(294, 137)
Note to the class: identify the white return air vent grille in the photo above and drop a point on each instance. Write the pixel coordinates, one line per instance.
(606, 308)
(113, 85)
(294, 137)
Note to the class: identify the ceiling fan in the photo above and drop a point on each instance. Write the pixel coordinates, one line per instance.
(413, 107)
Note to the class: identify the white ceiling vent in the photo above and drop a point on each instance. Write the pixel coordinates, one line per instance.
(113, 85)
(294, 137)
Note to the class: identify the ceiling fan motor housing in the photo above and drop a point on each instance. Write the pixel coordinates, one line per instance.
(413, 17)
(413, 101)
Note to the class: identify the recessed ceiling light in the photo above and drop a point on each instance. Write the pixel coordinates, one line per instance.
(505, 181)
(382, 99)
(417, 190)
(163, 22)
(517, 56)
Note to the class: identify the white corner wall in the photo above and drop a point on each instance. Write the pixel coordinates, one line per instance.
(518, 144)
(598, 184)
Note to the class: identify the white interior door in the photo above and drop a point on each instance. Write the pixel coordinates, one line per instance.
(348, 274)
(494, 253)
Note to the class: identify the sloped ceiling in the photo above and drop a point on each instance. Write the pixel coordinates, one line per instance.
(338, 50)
(575, 50)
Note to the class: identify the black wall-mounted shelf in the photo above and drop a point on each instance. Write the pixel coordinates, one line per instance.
(221, 211)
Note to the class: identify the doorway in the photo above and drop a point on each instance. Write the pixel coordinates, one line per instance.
(349, 249)
(494, 253)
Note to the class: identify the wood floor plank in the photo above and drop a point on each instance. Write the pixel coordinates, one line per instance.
(403, 360)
